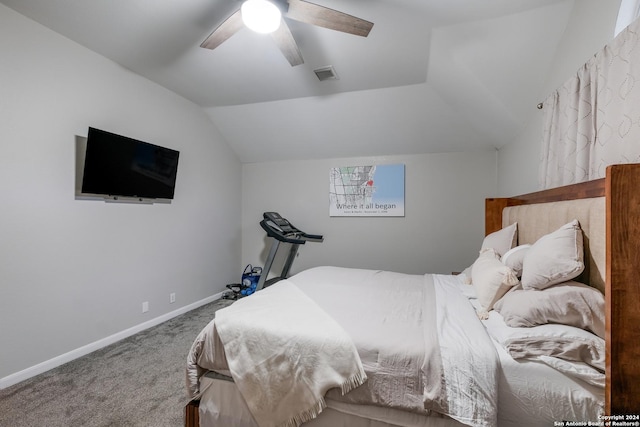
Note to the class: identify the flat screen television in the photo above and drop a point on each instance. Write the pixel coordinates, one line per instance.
(116, 165)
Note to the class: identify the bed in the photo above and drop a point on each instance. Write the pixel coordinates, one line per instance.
(383, 385)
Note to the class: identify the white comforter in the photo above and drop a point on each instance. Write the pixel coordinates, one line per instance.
(385, 315)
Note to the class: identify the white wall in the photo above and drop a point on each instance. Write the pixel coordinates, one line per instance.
(590, 28)
(441, 232)
(73, 272)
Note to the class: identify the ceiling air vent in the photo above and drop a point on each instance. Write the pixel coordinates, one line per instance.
(326, 73)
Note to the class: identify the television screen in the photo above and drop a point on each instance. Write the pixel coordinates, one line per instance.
(116, 165)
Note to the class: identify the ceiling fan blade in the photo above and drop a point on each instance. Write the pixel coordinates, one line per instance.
(287, 44)
(322, 16)
(224, 31)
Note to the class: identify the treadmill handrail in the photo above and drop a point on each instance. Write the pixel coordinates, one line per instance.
(314, 237)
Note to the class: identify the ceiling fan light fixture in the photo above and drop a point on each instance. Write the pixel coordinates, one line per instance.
(261, 16)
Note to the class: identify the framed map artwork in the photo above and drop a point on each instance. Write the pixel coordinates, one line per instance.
(376, 190)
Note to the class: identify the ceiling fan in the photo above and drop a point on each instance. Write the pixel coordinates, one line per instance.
(298, 10)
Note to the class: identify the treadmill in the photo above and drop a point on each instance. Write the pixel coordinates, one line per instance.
(281, 230)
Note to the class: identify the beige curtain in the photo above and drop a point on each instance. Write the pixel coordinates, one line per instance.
(593, 120)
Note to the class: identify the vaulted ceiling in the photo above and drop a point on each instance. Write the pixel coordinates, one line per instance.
(432, 76)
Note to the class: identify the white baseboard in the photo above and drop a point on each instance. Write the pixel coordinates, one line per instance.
(96, 345)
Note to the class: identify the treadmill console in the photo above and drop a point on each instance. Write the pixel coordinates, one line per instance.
(279, 228)
(276, 222)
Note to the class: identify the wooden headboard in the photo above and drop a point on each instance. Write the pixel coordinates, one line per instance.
(621, 191)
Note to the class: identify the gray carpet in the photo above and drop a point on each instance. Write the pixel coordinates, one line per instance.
(139, 381)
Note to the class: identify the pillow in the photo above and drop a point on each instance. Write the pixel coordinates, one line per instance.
(554, 258)
(491, 278)
(569, 303)
(502, 240)
(561, 341)
(514, 258)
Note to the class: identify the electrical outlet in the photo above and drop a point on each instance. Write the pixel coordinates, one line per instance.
(172, 297)
(145, 306)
